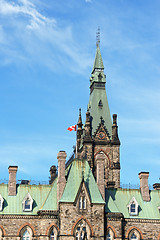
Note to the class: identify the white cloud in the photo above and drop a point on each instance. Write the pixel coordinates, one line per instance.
(34, 37)
(26, 9)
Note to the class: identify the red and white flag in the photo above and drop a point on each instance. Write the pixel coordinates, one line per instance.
(74, 127)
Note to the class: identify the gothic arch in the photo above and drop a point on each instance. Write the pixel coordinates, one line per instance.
(52, 225)
(101, 150)
(113, 230)
(131, 230)
(24, 227)
(78, 221)
(2, 231)
(159, 236)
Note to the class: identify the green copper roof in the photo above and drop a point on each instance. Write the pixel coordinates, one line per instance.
(80, 169)
(51, 198)
(117, 200)
(97, 112)
(98, 63)
(39, 193)
(98, 103)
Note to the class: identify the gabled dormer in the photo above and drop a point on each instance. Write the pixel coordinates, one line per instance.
(82, 199)
(1, 202)
(133, 207)
(27, 203)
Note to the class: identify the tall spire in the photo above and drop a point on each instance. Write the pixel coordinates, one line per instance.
(98, 63)
(98, 103)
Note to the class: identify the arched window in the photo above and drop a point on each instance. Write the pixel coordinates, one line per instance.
(26, 235)
(1, 234)
(134, 235)
(82, 231)
(110, 234)
(53, 234)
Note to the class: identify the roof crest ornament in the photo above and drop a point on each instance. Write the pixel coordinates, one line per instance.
(98, 37)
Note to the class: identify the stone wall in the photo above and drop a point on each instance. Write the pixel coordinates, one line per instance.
(147, 229)
(71, 215)
(12, 226)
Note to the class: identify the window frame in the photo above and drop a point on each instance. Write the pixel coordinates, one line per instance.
(1, 202)
(130, 207)
(27, 198)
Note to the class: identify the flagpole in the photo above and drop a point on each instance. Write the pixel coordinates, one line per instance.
(76, 143)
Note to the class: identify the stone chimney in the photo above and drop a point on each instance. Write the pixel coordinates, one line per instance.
(12, 180)
(156, 186)
(143, 176)
(100, 158)
(61, 156)
(53, 171)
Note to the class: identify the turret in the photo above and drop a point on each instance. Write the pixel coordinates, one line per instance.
(79, 131)
(115, 139)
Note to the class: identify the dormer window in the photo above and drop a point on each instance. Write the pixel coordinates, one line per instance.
(133, 207)
(1, 202)
(82, 202)
(100, 104)
(27, 203)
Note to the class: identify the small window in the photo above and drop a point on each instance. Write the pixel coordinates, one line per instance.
(110, 234)
(133, 207)
(100, 104)
(52, 236)
(26, 235)
(27, 203)
(82, 202)
(133, 236)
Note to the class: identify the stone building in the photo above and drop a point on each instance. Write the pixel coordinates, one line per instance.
(84, 201)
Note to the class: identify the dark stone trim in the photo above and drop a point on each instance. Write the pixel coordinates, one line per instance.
(48, 212)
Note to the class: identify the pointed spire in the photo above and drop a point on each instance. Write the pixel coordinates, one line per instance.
(98, 62)
(80, 121)
(79, 131)
(87, 127)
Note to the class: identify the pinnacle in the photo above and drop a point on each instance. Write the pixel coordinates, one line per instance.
(98, 63)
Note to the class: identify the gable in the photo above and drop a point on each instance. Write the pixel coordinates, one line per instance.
(82, 193)
(80, 170)
(102, 134)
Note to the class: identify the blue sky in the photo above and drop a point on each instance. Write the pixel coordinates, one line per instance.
(47, 50)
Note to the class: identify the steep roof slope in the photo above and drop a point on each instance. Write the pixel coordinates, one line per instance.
(80, 171)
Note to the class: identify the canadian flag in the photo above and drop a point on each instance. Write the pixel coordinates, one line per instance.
(74, 127)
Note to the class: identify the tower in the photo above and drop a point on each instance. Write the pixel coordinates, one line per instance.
(99, 133)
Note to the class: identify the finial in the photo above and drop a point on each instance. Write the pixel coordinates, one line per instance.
(79, 111)
(98, 37)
